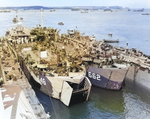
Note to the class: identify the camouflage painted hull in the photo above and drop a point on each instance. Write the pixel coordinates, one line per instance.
(67, 91)
(112, 79)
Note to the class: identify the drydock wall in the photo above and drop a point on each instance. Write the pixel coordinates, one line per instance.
(27, 89)
(30, 94)
(130, 73)
(15, 104)
(139, 76)
(143, 78)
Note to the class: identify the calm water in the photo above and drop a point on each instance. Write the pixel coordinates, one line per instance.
(132, 101)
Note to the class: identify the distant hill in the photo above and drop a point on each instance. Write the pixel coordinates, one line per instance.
(34, 7)
(66, 7)
(25, 7)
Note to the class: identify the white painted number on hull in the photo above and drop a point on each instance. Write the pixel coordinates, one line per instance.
(43, 81)
(94, 76)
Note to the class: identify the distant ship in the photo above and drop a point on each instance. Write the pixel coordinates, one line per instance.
(21, 18)
(84, 11)
(75, 9)
(15, 20)
(111, 41)
(52, 10)
(139, 10)
(146, 14)
(60, 23)
(107, 10)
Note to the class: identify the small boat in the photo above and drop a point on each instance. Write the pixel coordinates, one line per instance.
(107, 10)
(60, 23)
(110, 34)
(111, 41)
(109, 78)
(92, 38)
(146, 14)
(21, 18)
(75, 9)
(139, 10)
(15, 20)
(52, 10)
(84, 11)
(70, 32)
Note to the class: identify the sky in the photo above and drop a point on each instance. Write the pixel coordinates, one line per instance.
(57, 3)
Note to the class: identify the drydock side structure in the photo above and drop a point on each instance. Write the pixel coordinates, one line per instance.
(139, 74)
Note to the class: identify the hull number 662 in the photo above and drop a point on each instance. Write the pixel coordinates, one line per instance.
(94, 76)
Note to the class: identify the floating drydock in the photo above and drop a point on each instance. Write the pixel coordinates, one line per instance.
(107, 78)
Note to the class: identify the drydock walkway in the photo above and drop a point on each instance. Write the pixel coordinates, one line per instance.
(18, 101)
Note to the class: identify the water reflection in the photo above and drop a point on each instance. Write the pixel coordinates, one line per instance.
(136, 100)
(106, 103)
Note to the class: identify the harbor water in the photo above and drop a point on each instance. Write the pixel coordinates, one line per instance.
(132, 101)
(127, 26)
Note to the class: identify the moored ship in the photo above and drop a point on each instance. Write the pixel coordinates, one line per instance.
(84, 11)
(53, 71)
(139, 10)
(107, 10)
(111, 41)
(71, 89)
(111, 78)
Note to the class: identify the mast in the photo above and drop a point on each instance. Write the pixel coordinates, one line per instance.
(41, 17)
